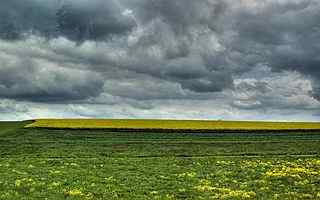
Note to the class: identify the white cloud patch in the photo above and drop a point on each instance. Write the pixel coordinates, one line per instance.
(286, 90)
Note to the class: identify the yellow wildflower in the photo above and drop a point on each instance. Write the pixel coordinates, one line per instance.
(154, 192)
(187, 174)
(73, 192)
(18, 183)
(182, 190)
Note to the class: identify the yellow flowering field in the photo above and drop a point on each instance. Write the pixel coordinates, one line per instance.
(175, 125)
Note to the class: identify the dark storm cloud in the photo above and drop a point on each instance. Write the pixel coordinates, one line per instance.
(76, 20)
(92, 20)
(171, 45)
(184, 34)
(181, 15)
(17, 18)
(142, 53)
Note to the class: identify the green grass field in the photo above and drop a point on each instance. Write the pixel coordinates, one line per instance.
(38, 163)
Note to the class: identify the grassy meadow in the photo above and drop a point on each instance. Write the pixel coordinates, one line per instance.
(49, 163)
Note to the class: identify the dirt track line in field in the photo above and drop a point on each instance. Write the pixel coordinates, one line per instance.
(164, 156)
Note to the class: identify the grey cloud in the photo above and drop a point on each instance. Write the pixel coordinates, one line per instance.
(286, 35)
(36, 80)
(9, 106)
(144, 89)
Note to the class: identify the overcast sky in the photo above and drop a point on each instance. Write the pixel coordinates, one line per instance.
(183, 59)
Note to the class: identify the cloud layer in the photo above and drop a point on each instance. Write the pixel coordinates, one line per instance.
(213, 59)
